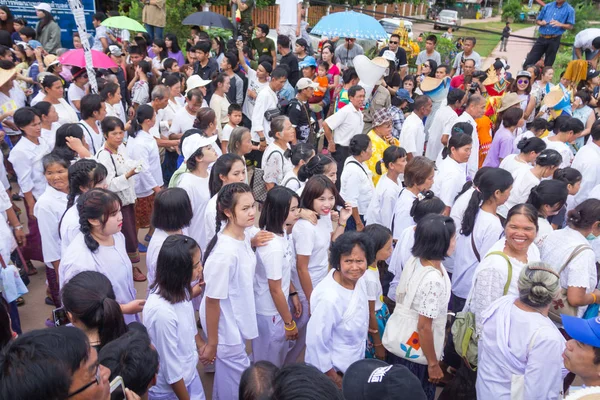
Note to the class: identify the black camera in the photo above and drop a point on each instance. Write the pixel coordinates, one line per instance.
(473, 87)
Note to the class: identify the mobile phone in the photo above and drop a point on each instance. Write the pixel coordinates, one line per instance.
(60, 316)
(117, 387)
(240, 38)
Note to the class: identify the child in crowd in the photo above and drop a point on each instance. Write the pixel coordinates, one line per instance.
(234, 111)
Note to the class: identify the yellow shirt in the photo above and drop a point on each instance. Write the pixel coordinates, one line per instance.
(379, 146)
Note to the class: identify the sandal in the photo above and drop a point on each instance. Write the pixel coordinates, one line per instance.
(138, 276)
(20, 301)
(49, 301)
(30, 268)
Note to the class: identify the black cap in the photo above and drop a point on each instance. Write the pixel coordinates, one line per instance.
(592, 73)
(371, 379)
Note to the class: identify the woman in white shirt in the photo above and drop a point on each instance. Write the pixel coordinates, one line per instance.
(170, 320)
(546, 163)
(300, 154)
(520, 349)
(311, 243)
(568, 131)
(426, 285)
(480, 229)
(172, 215)
(569, 253)
(499, 270)
(176, 100)
(452, 171)
(218, 100)
(111, 95)
(55, 95)
(198, 154)
(120, 180)
(427, 204)
(547, 198)
(381, 241)
(572, 178)
(418, 177)
(48, 210)
(228, 311)
(339, 307)
(276, 158)
(142, 147)
(93, 111)
(529, 149)
(381, 207)
(357, 182)
(272, 281)
(100, 247)
(49, 119)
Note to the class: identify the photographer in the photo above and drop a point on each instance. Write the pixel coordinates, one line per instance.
(462, 81)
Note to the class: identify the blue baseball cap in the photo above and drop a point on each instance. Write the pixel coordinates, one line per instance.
(403, 94)
(309, 61)
(586, 331)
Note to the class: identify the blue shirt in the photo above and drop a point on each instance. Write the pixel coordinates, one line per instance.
(565, 14)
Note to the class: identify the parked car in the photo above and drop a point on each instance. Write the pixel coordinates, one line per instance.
(391, 25)
(447, 17)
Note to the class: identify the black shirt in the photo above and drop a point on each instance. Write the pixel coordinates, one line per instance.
(298, 114)
(400, 56)
(206, 73)
(293, 71)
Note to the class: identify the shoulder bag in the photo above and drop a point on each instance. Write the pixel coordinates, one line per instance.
(258, 185)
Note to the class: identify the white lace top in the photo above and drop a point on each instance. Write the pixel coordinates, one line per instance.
(431, 299)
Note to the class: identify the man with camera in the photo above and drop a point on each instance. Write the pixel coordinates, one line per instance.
(463, 80)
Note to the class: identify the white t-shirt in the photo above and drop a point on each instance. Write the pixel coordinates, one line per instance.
(100, 34)
(158, 238)
(374, 289)
(357, 185)
(402, 218)
(512, 164)
(402, 253)
(564, 150)
(273, 262)
(229, 276)
(345, 124)
(49, 209)
(199, 194)
(449, 180)
(182, 121)
(75, 93)
(519, 193)
(94, 140)
(288, 11)
(441, 125)
(312, 241)
(584, 39)
(253, 84)
(381, 207)
(291, 181)
(412, 135)
(226, 132)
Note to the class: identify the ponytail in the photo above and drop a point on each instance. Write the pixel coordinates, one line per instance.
(548, 192)
(390, 155)
(475, 181)
(457, 140)
(314, 166)
(426, 203)
(144, 112)
(112, 318)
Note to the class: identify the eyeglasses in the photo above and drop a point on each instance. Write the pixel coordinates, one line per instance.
(523, 82)
(95, 381)
(393, 42)
(427, 65)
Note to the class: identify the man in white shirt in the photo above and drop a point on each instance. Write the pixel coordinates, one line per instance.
(185, 117)
(475, 108)
(442, 124)
(412, 135)
(587, 161)
(467, 54)
(266, 100)
(289, 18)
(586, 45)
(342, 126)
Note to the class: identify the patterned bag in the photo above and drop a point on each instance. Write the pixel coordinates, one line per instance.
(258, 185)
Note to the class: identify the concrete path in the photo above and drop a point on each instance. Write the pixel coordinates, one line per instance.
(517, 50)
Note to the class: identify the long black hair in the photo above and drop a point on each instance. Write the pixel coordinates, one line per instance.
(62, 133)
(97, 204)
(276, 209)
(221, 167)
(174, 43)
(143, 113)
(45, 21)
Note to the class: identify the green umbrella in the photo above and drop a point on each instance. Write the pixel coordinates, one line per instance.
(123, 23)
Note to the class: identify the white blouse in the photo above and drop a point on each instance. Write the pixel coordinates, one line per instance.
(275, 164)
(449, 180)
(69, 226)
(143, 148)
(519, 193)
(374, 289)
(118, 165)
(383, 201)
(158, 238)
(48, 210)
(274, 262)
(544, 229)
(512, 164)
(199, 194)
(66, 113)
(26, 159)
(357, 184)
(337, 329)
(402, 253)
(402, 218)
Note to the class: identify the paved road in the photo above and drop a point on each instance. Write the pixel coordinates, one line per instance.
(517, 50)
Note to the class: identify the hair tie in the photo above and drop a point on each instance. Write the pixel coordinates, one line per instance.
(420, 196)
(476, 189)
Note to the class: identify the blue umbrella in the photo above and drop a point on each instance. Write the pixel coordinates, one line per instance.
(350, 24)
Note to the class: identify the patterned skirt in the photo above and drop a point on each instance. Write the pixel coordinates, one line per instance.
(382, 317)
(143, 211)
(128, 230)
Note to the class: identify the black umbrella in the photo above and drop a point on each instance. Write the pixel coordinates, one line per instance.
(208, 18)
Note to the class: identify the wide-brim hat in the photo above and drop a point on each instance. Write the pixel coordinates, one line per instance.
(509, 100)
(435, 88)
(6, 75)
(556, 99)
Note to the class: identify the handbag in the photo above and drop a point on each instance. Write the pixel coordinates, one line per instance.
(463, 328)
(560, 304)
(401, 336)
(258, 185)
(11, 284)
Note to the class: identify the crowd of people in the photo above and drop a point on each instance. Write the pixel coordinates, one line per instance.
(299, 231)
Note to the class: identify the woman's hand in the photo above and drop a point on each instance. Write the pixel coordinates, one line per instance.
(297, 306)
(261, 238)
(435, 373)
(309, 215)
(130, 395)
(22, 238)
(293, 334)
(77, 146)
(133, 307)
(345, 213)
(331, 147)
(208, 354)
(335, 217)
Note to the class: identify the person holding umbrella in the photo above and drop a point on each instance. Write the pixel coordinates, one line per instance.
(48, 31)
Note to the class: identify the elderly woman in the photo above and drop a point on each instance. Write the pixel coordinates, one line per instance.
(276, 161)
(381, 138)
(339, 306)
(520, 348)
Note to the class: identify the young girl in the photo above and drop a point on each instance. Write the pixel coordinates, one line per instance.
(568, 131)
(120, 180)
(545, 164)
(547, 198)
(381, 208)
(452, 171)
(300, 154)
(49, 118)
(381, 240)
(48, 210)
(522, 87)
(218, 102)
(140, 86)
(111, 95)
(26, 159)
(173, 213)
(206, 121)
(83, 175)
(169, 318)
(101, 247)
(572, 178)
(418, 177)
(272, 284)
(481, 228)
(174, 51)
(228, 310)
(536, 129)
(159, 48)
(529, 149)
(142, 147)
(198, 154)
(311, 243)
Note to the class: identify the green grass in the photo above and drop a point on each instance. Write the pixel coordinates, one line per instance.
(486, 42)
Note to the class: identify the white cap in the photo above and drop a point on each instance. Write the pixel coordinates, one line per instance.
(194, 82)
(44, 7)
(389, 55)
(304, 83)
(192, 143)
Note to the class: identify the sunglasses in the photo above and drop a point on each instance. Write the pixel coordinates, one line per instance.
(95, 381)
(523, 82)
(393, 42)
(427, 65)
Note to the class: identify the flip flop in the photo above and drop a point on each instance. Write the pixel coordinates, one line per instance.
(20, 301)
(138, 276)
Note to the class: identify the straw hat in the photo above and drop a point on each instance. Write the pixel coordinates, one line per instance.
(556, 99)
(429, 84)
(51, 60)
(509, 100)
(6, 75)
